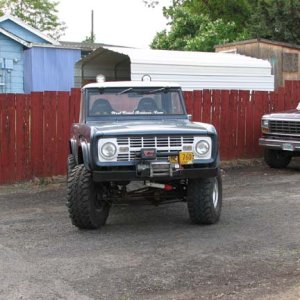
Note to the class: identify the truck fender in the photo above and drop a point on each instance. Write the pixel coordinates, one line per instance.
(85, 148)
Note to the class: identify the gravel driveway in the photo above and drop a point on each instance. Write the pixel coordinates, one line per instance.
(148, 252)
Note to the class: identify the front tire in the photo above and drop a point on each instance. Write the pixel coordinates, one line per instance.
(87, 209)
(204, 200)
(71, 163)
(277, 159)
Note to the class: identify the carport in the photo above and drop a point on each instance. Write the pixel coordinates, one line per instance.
(192, 70)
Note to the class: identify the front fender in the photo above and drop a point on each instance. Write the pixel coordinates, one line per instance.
(85, 148)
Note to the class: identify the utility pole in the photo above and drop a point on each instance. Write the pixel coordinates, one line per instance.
(92, 27)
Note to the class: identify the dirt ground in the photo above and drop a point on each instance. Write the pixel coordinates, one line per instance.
(148, 252)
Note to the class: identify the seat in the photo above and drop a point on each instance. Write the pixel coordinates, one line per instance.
(101, 107)
(147, 104)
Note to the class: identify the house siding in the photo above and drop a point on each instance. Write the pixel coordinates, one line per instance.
(49, 69)
(12, 66)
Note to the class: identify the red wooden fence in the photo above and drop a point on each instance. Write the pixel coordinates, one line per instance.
(34, 129)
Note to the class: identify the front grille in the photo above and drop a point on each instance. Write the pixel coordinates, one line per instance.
(285, 127)
(161, 144)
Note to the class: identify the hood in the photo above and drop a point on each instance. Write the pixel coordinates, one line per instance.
(152, 127)
(293, 114)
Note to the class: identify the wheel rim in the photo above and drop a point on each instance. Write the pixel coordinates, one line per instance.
(215, 194)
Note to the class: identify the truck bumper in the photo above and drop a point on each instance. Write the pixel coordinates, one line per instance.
(132, 175)
(280, 144)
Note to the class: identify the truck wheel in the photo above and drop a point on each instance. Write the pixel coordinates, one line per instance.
(204, 200)
(87, 209)
(71, 163)
(277, 159)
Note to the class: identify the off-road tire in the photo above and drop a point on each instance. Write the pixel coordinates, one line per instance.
(277, 159)
(87, 209)
(204, 200)
(71, 163)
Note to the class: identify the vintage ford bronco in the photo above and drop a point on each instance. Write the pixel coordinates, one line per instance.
(281, 137)
(140, 132)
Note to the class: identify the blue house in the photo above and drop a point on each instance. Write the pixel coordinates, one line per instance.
(31, 61)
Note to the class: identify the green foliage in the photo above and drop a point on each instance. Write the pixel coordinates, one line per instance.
(40, 14)
(201, 24)
(89, 39)
(190, 31)
(277, 20)
(227, 10)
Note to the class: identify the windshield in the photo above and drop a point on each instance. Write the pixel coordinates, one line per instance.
(134, 102)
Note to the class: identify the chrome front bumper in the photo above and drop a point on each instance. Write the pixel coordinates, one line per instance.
(286, 145)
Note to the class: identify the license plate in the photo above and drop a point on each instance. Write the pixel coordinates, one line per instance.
(186, 158)
(287, 147)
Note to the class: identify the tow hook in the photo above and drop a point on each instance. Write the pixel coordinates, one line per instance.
(166, 187)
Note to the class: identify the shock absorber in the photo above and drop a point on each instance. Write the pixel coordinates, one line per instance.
(166, 187)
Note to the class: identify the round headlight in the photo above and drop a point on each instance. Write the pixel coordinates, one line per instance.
(108, 150)
(202, 148)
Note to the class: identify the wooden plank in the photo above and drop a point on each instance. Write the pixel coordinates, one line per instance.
(207, 106)
(241, 125)
(249, 137)
(295, 95)
(49, 133)
(288, 88)
(271, 102)
(23, 161)
(2, 99)
(224, 128)
(63, 132)
(37, 137)
(297, 92)
(258, 113)
(188, 98)
(280, 105)
(74, 106)
(8, 139)
(233, 123)
(216, 110)
(197, 106)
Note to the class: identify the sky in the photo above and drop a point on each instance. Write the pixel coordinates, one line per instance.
(116, 22)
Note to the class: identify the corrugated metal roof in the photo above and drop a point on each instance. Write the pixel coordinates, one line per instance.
(192, 70)
(85, 46)
(189, 58)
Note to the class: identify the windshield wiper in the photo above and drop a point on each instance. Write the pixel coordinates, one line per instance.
(125, 91)
(165, 89)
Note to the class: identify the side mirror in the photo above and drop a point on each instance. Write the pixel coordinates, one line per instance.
(298, 107)
(190, 117)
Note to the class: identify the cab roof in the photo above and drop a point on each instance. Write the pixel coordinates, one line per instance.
(129, 84)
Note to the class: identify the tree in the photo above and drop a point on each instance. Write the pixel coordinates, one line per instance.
(197, 24)
(277, 20)
(40, 14)
(227, 10)
(89, 39)
(192, 31)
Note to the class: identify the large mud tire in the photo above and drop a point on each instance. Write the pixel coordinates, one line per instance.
(87, 209)
(204, 200)
(277, 159)
(71, 163)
